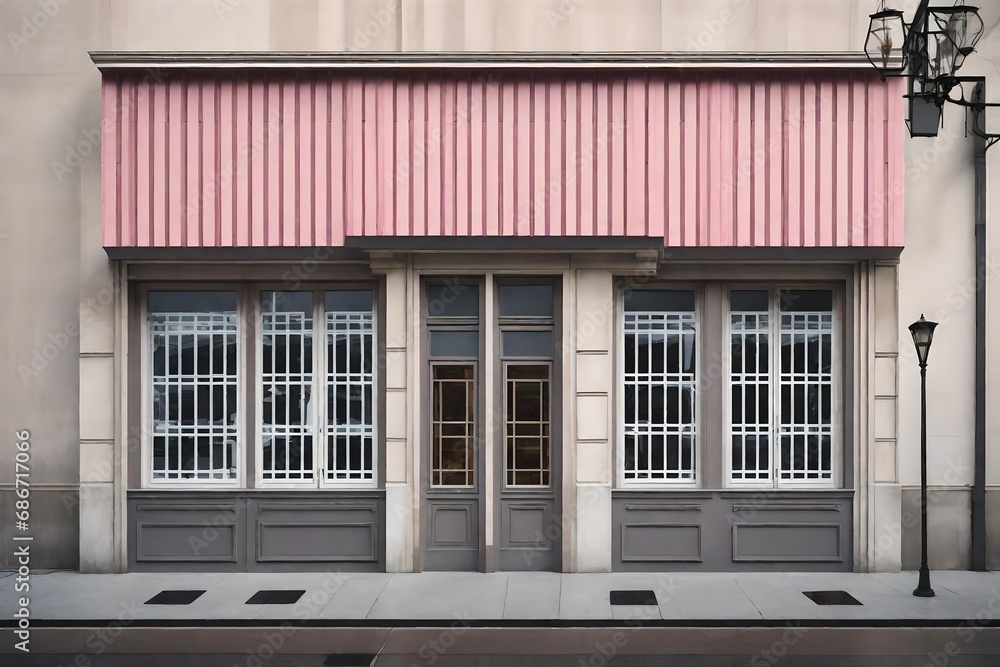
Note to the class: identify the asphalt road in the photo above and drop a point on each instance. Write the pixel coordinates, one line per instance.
(243, 660)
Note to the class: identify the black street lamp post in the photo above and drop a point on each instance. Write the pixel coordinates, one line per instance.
(928, 52)
(923, 333)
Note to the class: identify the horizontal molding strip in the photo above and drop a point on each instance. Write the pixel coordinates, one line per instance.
(477, 59)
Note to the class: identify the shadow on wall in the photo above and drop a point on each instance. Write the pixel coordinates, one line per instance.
(54, 527)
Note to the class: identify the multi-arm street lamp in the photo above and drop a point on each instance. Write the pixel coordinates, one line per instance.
(928, 52)
(923, 333)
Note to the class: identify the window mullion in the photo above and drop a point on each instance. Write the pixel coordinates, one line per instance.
(319, 390)
(774, 386)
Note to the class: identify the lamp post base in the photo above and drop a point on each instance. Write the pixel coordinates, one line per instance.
(923, 589)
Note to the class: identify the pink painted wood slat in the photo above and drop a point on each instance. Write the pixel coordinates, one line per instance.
(225, 190)
(126, 188)
(760, 158)
(112, 94)
(656, 149)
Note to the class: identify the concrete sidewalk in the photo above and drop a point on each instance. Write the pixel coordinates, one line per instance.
(510, 598)
(504, 620)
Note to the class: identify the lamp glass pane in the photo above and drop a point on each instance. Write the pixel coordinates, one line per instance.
(884, 43)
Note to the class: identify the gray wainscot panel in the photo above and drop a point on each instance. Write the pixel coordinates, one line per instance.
(453, 534)
(256, 531)
(187, 531)
(300, 533)
(530, 534)
(715, 531)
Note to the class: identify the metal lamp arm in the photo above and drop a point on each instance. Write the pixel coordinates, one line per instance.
(978, 106)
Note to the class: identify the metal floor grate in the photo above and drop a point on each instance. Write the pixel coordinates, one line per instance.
(275, 597)
(831, 597)
(175, 597)
(633, 597)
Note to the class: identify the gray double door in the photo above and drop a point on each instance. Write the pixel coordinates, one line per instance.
(491, 447)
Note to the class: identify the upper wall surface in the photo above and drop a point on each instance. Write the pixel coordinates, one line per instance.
(799, 158)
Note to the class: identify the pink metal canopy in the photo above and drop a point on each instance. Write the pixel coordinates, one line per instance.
(310, 157)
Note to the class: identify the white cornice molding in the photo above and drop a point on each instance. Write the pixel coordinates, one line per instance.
(637, 60)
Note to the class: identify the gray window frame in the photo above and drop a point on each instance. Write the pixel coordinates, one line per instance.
(429, 323)
(713, 280)
(620, 424)
(837, 417)
(249, 287)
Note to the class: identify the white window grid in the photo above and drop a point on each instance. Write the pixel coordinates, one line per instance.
(287, 443)
(350, 451)
(750, 385)
(805, 452)
(521, 429)
(204, 448)
(796, 454)
(647, 445)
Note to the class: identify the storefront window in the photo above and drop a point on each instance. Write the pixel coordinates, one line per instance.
(781, 381)
(197, 379)
(193, 338)
(660, 364)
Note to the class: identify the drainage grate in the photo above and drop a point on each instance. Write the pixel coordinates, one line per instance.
(831, 597)
(175, 597)
(633, 597)
(275, 597)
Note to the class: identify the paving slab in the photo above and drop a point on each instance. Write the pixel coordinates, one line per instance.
(533, 595)
(699, 599)
(454, 596)
(353, 599)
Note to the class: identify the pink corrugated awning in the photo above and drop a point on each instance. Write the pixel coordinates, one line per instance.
(227, 158)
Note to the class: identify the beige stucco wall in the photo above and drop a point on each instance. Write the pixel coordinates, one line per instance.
(937, 278)
(53, 265)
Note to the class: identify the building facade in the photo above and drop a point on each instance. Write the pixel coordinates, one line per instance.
(412, 305)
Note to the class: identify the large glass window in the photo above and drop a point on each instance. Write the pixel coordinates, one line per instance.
(770, 378)
(781, 383)
(312, 426)
(193, 339)
(660, 379)
(350, 382)
(287, 426)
